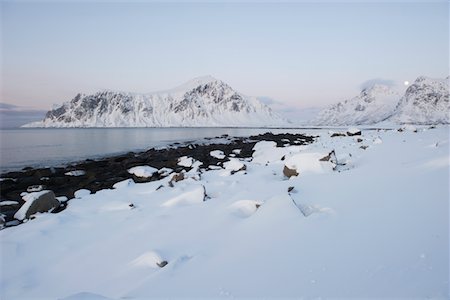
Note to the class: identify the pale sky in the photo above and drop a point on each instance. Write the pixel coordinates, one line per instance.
(304, 54)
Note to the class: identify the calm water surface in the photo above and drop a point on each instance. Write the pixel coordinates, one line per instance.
(36, 147)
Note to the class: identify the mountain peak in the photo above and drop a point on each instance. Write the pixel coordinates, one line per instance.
(377, 89)
(202, 101)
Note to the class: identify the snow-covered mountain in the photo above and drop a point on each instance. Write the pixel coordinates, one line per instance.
(372, 105)
(426, 101)
(204, 101)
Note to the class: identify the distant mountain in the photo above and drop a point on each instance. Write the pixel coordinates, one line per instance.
(204, 101)
(426, 101)
(372, 105)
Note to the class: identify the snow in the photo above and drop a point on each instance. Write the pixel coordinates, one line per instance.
(75, 173)
(377, 230)
(244, 208)
(143, 171)
(310, 163)
(185, 161)
(2, 203)
(377, 140)
(147, 260)
(234, 165)
(81, 193)
(353, 130)
(217, 154)
(123, 184)
(193, 195)
(165, 171)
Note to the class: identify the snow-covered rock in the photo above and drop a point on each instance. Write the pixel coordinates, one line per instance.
(204, 101)
(75, 173)
(143, 171)
(185, 161)
(217, 154)
(372, 105)
(426, 101)
(234, 165)
(312, 162)
(35, 202)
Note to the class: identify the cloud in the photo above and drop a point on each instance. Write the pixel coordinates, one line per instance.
(373, 81)
(293, 113)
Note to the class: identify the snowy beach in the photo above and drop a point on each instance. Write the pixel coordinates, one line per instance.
(345, 216)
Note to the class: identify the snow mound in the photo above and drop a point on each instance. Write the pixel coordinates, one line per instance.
(81, 193)
(86, 296)
(310, 163)
(217, 154)
(123, 184)
(143, 171)
(194, 195)
(234, 165)
(267, 152)
(244, 208)
(150, 259)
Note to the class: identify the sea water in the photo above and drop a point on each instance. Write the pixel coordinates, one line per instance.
(39, 147)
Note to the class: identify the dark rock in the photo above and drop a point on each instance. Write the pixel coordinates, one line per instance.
(331, 157)
(337, 134)
(364, 147)
(290, 189)
(353, 133)
(359, 140)
(162, 264)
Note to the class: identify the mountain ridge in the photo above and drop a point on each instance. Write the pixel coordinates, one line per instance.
(201, 102)
(425, 101)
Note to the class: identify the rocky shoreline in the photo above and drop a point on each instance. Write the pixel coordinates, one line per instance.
(95, 175)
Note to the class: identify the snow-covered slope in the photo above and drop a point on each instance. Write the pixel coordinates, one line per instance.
(335, 234)
(204, 101)
(426, 101)
(372, 105)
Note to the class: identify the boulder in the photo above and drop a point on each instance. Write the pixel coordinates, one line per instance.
(353, 132)
(36, 202)
(176, 177)
(337, 134)
(289, 172)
